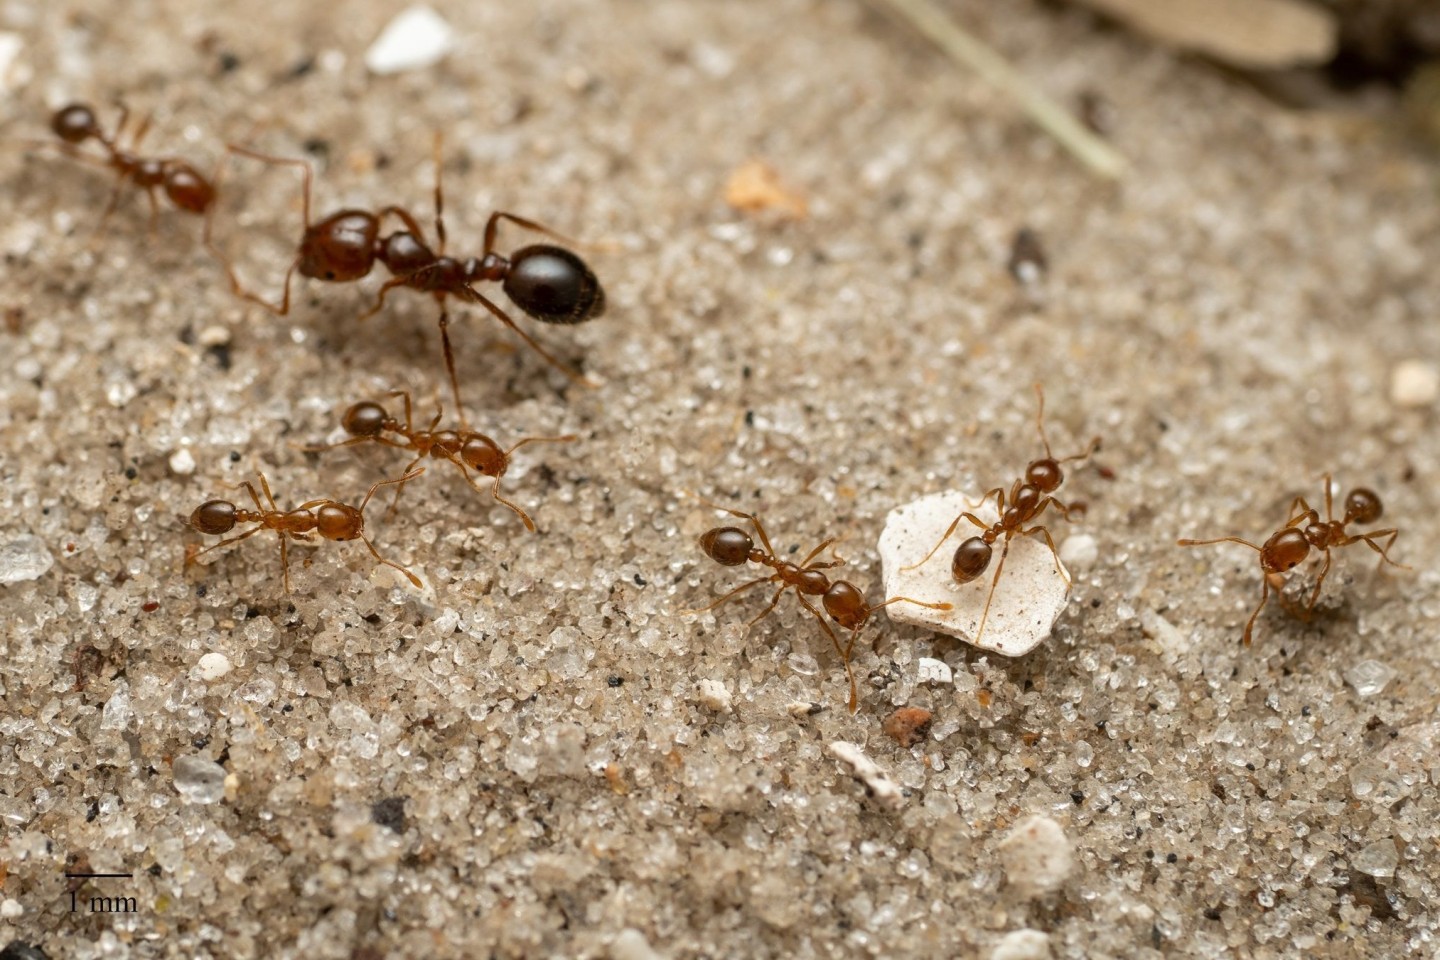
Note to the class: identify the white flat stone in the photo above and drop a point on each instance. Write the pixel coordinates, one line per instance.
(418, 37)
(1028, 598)
(1037, 856)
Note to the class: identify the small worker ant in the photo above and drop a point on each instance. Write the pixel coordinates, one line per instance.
(1029, 497)
(368, 422)
(185, 186)
(842, 600)
(547, 282)
(1289, 546)
(331, 519)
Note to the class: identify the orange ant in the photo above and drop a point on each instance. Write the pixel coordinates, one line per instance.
(368, 422)
(1289, 546)
(185, 186)
(1029, 497)
(331, 519)
(842, 600)
(547, 282)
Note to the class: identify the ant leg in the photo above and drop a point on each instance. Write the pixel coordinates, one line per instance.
(351, 442)
(1201, 543)
(1084, 454)
(1040, 418)
(140, 133)
(524, 440)
(1315, 594)
(450, 363)
(229, 540)
(1369, 540)
(472, 295)
(419, 585)
(409, 475)
(249, 488)
(842, 652)
(385, 289)
(400, 484)
(285, 561)
(524, 517)
(754, 520)
(997, 491)
(804, 564)
(283, 307)
(994, 582)
(1300, 510)
(154, 212)
(1059, 568)
(265, 485)
(918, 603)
(492, 226)
(1329, 497)
(1064, 508)
(440, 195)
(1264, 596)
(405, 396)
(775, 600)
(964, 516)
(733, 593)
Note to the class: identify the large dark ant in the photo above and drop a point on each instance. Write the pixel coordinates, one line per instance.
(368, 422)
(842, 600)
(1289, 546)
(1029, 498)
(547, 282)
(330, 519)
(183, 185)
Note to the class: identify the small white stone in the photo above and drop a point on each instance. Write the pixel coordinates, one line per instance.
(1369, 677)
(24, 558)
(881, 786)
(199, 780)
(1037, 856)
(1378, 859)
(213, 666)
(1414, 383)
(182, 462)
(712, 693)
(418, 37)
(1022, 945)
(630, 944)
(929, 670)
(11, 909)
(1028, 599)
(1080, 550)
(13, 73)
(801, 709)
(214, 336)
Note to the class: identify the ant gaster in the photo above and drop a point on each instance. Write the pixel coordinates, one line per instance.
(1029, 498)
(185, 186)
(547, 282)
(330, 519)
(368, 422)
(842, 600)
(1289, 546)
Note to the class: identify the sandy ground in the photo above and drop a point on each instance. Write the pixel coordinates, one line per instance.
(521, 759)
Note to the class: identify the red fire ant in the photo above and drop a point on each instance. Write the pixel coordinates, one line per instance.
(368, 422)
(547, 282)
(331, 519)
(842, 600)
(1289, 546)
(1029, 497)
(185, 186)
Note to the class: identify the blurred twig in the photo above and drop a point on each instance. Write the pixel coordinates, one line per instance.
(1089, 149)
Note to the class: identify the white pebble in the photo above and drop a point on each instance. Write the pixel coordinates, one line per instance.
(11, 909)
(929, 670)
(1037, 856)
(1022, 945)
(24, 558)
(1028, 599)
(1080, 550)
(418, 37)
(800, 709)
(1414, 383)
(1369, 677)
(214, 336)
(213, 666)
(13, 73)
(712, 693)
(879, 782)
(630, 944)
(182, 462)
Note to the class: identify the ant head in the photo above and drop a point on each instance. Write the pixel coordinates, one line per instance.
(729, 546)
(365, 419)
(970, 560)
(553, 285)
(186, 188)
(482, 454)
(339, 248)
(1363, 505)
(339, 521)
(214, 516)
(75, 123)
(1284, 551)
(1044, 474)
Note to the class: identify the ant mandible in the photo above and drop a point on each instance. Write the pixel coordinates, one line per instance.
(1289, 546)
(368, 422)
(331, 519)
(185, 186)
(1029, 498)
(842, 600)
(547, 282)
